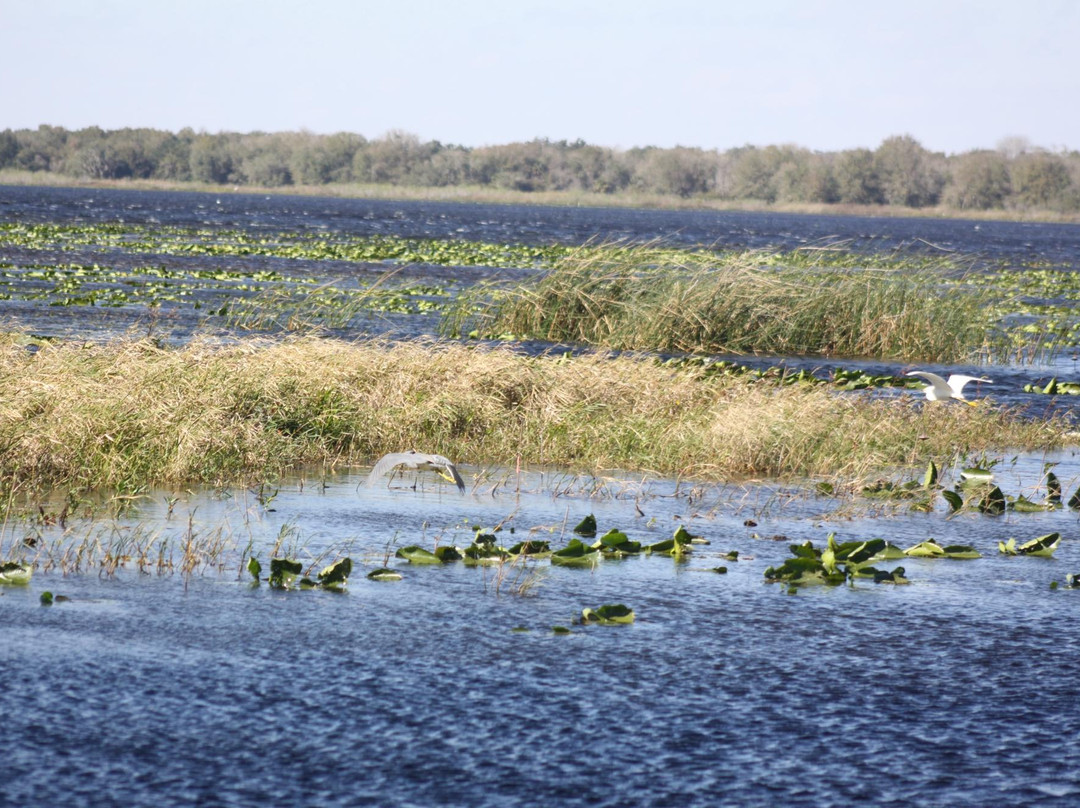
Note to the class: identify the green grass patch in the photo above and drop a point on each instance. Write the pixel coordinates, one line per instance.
(821, 304)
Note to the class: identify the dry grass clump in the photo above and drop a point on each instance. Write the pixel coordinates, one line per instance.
(128, 415)
(641, 298)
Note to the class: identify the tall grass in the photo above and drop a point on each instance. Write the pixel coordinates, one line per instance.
(129, 415)
(641, 298)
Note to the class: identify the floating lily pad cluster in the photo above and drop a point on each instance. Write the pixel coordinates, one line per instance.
(613, 544)
(1043, 546)
(285, 571)
(838, 563)
(840, 378)
(974, 491)
(1054, 388)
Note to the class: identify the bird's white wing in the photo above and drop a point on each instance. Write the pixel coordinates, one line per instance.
(957, 381)
(388, 463)
(937, 384)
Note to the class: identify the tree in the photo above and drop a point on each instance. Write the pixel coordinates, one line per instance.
(214, 158)
(980, 181)
(857, 180)
(9, 147)
(907, 174)
(681, 171)
(1040, 180)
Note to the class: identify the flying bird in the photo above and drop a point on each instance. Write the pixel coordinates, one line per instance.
(941, 390)
(416, 461)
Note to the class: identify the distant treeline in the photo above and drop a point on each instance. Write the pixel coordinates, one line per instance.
(1016, 176)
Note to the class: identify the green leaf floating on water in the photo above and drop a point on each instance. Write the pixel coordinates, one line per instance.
(532, 547)
(803, 570)
(1074, 500)
(1053, 487)
(254, 567)
(14, 573)
(417, 555)
(616, 543)
(1024, 505)
(283, 572)
(930, 478)
(586, 527)
(931, 549)
(336, 575)
(992, 502)
(448, 553)
(1043, 546)
(483, 551)
(384, 574)
(610, 613)
(956, 502)
(575, 554)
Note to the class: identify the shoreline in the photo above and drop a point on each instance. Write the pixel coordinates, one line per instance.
(490, 196)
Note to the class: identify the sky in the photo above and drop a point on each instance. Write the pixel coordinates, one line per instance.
(827, 75)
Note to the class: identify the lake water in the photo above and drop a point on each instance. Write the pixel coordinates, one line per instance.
(153, 689)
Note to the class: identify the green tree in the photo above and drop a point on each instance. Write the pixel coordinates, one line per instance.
(1040, 180)
(9, 148)
(215, 158)
(856, 177)
(907, 173)
(979, 181)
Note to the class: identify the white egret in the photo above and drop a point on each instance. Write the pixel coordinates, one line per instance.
(941, 390)
(416, 461)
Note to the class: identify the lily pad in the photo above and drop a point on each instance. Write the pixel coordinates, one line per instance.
(532, 547)
(283, 572)
(336, 575)
(610, 613)
(1043, 546)
(586, 527)
(14, 573)
(931, 549)
(384, 574)
(417, 555)
(575, 554)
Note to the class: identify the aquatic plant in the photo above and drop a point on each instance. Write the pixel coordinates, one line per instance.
(836, 563)
(576, 554)
(283, 572)
(130, 414)
(608, 614)
(931, 549)
(1043, 546)
(417, 555)
(384, 574)
(639, 297)
(15, 573)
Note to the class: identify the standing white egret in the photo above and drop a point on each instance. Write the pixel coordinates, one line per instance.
(941, 390)
(416, 461)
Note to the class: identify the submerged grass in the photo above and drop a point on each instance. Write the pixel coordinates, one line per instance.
(129, 415)
(643, 298)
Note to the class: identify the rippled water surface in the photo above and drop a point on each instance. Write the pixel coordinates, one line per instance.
(450, 687)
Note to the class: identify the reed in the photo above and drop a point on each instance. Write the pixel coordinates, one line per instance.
(641, 298)
(130, 415)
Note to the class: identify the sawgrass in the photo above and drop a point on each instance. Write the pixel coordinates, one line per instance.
(642, 298)
(130, 415)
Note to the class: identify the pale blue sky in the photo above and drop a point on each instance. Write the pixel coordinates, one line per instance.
(825, 74)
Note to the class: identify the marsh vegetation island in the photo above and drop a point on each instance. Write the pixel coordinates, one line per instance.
(710, 464)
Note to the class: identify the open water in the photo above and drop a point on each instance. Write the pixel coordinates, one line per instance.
(959, 688)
